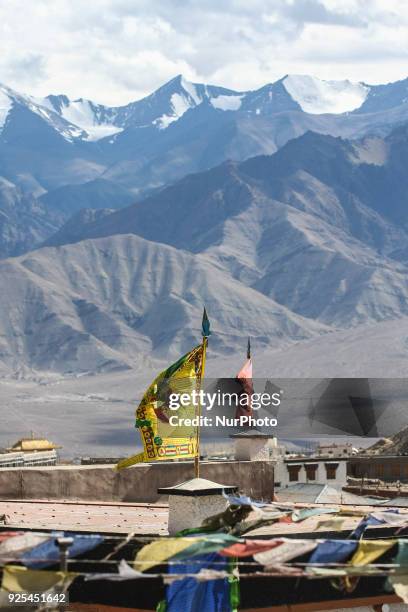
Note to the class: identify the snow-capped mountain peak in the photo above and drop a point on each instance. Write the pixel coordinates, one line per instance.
(96, 120)
(191, 90)
(183, 96)
(171, 101)
(10, 98)
(316, 96)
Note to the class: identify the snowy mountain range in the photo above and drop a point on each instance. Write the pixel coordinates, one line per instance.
(75, 154)
(85, 120)
(283, 209)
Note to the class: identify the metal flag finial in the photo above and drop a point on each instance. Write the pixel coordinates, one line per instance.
(205, 325)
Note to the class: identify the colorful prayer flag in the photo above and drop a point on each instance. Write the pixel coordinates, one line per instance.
(18, 579)
(161, 440)
(192, 594)
(287, 550)
(369, 550)
(159, 551)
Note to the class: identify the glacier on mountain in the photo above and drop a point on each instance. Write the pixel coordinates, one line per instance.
(179, 104)
(83, 114)
(316, 96)
(232, 103)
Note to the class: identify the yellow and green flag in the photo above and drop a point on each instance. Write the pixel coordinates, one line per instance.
(162, 440)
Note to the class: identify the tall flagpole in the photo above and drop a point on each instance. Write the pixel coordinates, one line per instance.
(205, 330)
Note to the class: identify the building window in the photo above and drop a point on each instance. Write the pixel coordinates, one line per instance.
(311, 469)
(331, 469)
(293, 472)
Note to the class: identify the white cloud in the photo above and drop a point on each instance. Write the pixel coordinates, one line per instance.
(115, 51)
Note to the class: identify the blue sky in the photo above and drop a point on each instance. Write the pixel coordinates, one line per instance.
(114, 51)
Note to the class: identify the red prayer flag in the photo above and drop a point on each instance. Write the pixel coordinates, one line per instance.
(249, 548)
(244, 377)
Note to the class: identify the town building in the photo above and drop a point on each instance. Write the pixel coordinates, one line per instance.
(39, 458)
(335, 450)
(32, 444)
(386, 468)
(30, 452)
(332, 471)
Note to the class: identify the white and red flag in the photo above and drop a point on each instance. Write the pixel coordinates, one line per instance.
(244, 378)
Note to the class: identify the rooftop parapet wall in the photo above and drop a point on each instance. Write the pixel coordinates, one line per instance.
(136, 484)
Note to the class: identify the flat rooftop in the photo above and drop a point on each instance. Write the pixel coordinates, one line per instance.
(105, 517)
(151, 519)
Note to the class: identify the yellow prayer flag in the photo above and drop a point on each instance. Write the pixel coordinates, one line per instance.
(369, 550)
(159, 551)
(139, 458)
(162, 440)
(18, 579)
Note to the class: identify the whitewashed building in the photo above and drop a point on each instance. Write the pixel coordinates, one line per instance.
(332, 471)
(21, 459)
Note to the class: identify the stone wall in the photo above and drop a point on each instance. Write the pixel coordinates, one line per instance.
(136, 484)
